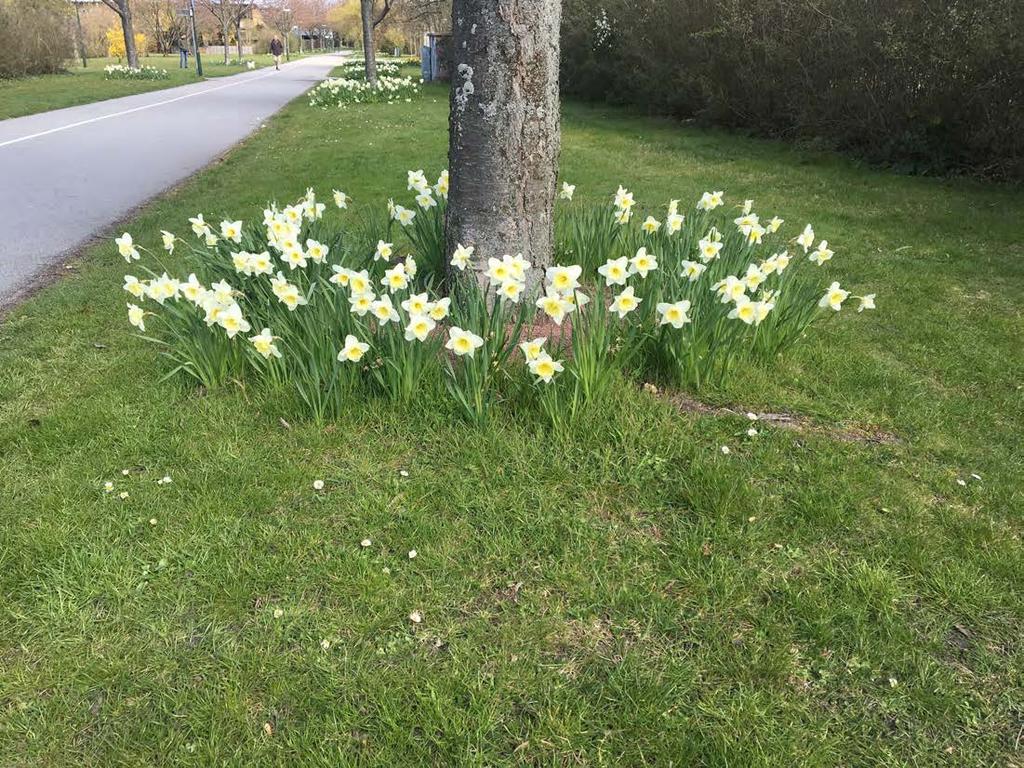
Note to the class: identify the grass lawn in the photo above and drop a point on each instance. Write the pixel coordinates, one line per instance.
(26, 96)
(629, 596)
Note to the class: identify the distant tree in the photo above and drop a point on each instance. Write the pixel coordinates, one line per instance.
(371, 21)
(228, 14)
(115, 43)
(124, 11)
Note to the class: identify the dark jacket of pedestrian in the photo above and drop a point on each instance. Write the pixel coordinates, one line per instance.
(276, 48)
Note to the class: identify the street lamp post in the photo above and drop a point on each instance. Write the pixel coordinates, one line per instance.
(195, 38)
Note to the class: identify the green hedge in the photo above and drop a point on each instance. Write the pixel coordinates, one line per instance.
(930, 86)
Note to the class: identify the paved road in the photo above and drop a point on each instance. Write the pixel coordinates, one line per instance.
(69, 174)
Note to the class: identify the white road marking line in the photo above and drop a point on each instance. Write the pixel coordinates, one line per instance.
(134, 109)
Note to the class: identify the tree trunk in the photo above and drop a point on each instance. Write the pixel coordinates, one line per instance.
(238, 36)
(129, 34)
(224, 32)
(369, 49)
(504, 129)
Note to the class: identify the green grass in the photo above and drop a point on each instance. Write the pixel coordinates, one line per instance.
(78, 85)
(627, 596)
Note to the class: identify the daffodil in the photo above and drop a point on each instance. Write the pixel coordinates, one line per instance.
(730, 288)
(463, 342)
(781, 261)
(555, 305)
(643, 262)
(361, 303)
(126, 247)
(419, 327)
(544, 368)
(353, 352)
(761, 310)
(806, 238)
(264, 344)
(834, 297)
(359, 281)
(755, 234)
(134, 287)
(260, 263)
(211, 239)
(674, 314)
(745, 310)
(293, 214)
(710, 200)
(747, 205)
(341, 199)
(438, 310)
(746, 221)
(615, 271)
(650, 225)
(136, 316)
(404, 216)
(564, 279)
(774, 224)
(199, 226)
(708, 249)
(295, 258)
(341, 275)
(231, 230)
(461, 257)
(168, 240)
(511, 289)
(624, 199)
(384, 311)
(534, 348)
(316, 251)
(498, 271)
(622, 216)
(821, 254)
(383, 252)
(240, 261)
(417, 180)
(753, 278)
(625, 302)
(441, 188)
(232, 322)
(692, 270)
(674, 222)
(192, 289)
(395, 279)
(568, 190)
(425, 200)
(517, 265)
(866, 302)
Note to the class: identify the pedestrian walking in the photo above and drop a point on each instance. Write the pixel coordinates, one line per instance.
(276, 50)
(182, 54)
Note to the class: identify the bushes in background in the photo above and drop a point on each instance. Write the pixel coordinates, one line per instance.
(35, 37)
(928, 86)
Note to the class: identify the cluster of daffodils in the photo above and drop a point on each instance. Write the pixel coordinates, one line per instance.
(124, 72)
(340, 91)
(357, 69)
(290, 300)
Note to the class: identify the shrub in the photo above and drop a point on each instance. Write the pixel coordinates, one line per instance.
(115, 42)
(927, 87)
(335, 313)
(35, 38)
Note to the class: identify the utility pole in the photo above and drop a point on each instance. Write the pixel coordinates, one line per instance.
(81, 38)
(195, 38)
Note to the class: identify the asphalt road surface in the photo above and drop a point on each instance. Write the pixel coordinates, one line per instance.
(69, 174)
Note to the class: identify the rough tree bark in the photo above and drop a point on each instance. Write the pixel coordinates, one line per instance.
(369, 49)
(503, 128)
(124, 12)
